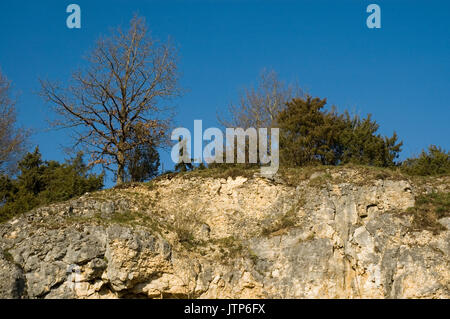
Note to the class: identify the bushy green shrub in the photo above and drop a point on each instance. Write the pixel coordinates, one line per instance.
(310, 135)
(434, 162)
(43, 182)
(142, 163)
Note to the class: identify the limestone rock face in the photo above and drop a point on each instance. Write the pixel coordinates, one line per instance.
(204, 237)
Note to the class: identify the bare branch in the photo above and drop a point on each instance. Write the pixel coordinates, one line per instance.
(259, 106)
(12, 138)
(116, 103)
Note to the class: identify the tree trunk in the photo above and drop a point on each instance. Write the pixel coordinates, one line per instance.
(120, 168)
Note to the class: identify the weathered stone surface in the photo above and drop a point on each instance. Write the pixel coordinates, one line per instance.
(12, 280)
(227, 238)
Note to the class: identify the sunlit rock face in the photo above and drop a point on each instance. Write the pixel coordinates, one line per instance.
(328, 236)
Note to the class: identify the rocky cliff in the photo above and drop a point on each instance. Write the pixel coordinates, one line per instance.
(334, 233)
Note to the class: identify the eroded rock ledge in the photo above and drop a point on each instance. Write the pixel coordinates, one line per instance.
(201, 237)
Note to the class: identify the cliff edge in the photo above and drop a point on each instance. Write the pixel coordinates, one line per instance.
(329, 233)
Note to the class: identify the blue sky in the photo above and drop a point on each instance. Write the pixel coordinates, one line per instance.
(399, 73)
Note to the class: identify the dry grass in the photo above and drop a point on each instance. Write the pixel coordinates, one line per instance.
(427, 210)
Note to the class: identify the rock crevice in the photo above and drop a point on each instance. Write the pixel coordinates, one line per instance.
(227, 238)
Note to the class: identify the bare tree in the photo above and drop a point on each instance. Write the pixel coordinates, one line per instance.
(117, 102)
(258, 106)
(12, 138)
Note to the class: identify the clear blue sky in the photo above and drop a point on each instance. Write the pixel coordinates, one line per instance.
(399, 73)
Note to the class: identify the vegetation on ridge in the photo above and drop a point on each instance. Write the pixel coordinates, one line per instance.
(428, 209)
(43, 182)
(122, 132)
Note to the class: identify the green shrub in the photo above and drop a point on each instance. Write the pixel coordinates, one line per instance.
(310, 135)
(43, 182)
(434, 162)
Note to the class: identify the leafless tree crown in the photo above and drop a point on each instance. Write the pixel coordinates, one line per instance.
(258, 106)
(118, 101)
(12, 138)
